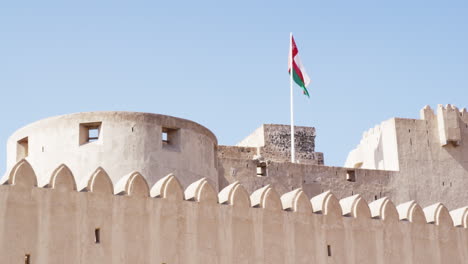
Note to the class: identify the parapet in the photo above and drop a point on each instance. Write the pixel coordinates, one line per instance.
(169, 188)
(450, 121)
(173, 225)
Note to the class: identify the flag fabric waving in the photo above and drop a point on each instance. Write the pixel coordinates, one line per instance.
(300, 76)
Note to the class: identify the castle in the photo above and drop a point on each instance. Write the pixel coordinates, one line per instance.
(125, 187)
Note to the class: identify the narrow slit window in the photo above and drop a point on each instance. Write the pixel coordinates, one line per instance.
(351, 176)
(329, 250)
(27, 259)
(97, 235)
(164, 137)
(261, 170)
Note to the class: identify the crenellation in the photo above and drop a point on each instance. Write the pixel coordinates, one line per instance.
(427, 113)
(174, 213)
(438, 214)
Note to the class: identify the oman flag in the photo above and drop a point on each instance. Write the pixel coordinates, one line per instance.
(299, 74)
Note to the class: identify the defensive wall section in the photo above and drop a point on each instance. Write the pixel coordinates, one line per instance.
(404, 159)
(121, 142)
(430, 155)
(133, 222)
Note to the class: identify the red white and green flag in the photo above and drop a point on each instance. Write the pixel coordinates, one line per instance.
(299, 74)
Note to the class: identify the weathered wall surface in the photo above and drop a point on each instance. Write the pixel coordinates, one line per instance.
(274, 143)
(429, 169)
(313, 179)
(167, 225)
(128, 142)
(430, 154)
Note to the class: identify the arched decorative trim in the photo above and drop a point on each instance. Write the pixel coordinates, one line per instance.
(201, 191)
(267, 198)
(412, 212)
(62, 178)
(168, 187)
(22, 174)
(355, 206)
(438, 214)
(133, 184)
(234, 194)
(326, 203)
(98, 182)
(296, 201)
(460, 217)
(383, 209)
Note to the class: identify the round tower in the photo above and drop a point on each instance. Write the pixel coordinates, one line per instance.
(119, 142)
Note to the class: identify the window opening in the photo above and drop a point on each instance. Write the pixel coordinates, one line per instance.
(27, 259)
(164, 137)
(90, 132)
(170, 138)
(351, 175)
(375, 197)
(97, 235)
(329, 250)
(261, 169)
(93, 134)
(22, 149)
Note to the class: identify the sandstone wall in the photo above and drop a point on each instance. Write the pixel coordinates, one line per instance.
(127, 141)
(313, 179)
(164, 224)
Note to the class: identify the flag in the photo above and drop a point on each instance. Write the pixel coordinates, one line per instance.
(300, 76)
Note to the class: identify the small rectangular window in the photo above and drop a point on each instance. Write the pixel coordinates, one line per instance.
(329, 250)
(170, 138)
(90, 132)
(27, 259)
(97, 235)
(261, 170)
(351, 176)
(22, 149)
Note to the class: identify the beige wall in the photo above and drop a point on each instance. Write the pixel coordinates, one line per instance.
(128, 142)
(430, 155)
(56, 225)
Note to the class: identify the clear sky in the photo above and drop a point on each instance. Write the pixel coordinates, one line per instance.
(223, 64)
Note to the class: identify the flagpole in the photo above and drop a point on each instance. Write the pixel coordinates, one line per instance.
(293, 150)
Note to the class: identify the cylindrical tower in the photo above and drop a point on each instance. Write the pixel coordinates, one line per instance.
(119, 142)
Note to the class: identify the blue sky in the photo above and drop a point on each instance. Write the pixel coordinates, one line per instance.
(224, 63)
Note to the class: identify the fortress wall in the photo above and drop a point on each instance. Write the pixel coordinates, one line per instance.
(429, 170)
(314, 179)
(377, 149)
(165, 224)
(430, 156)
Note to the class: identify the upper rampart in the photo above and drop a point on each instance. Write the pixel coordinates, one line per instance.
(133, 222)
(120, 141)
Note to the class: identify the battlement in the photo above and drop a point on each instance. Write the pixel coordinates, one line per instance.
(136, 221)
(450, 122)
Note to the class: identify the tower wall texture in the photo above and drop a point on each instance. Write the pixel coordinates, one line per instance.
(127, 142)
